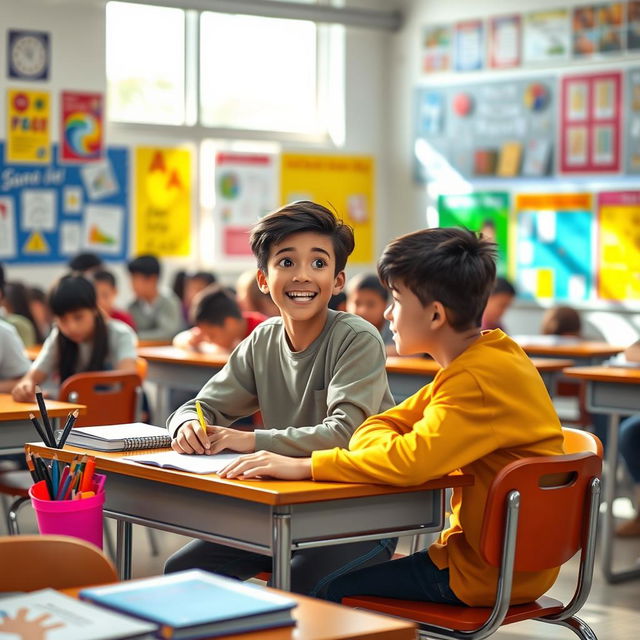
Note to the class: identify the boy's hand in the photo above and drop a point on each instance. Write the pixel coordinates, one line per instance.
(191, 439)
(267, 463)
(24, 391)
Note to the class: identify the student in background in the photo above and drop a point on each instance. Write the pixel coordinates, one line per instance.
(368, 298)
(40, 311)
(107, 291)
(314, 374)
(16, 302)
(499, 301)
(157, 314)
(13, 362)
(251, 298)
(177, 286)
(25, 329)
(219, 325)
(85, 263)
(193, 284)
(561, 321)
(338, 302)
(83, 339)
(469, 418)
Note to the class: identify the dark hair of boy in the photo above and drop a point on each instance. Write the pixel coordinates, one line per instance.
(206, 276)
(83, 262)
(177, 286)
(16, 296)
(105, 276)
(502, 285)
(451, 265)
(562, 321)
(72, 293)
(146, 265)
(369, 282)
(338, 301)
(299, 217)
(214, 305)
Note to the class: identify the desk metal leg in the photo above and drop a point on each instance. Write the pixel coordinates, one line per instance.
(281, 548)
(123, 549)
(610, 575)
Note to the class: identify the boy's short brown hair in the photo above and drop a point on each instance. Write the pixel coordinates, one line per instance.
(299, 217)
(454, 266)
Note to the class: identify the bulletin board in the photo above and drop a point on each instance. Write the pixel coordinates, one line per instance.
(50, 212)
(502, 128)
(554, 250)
(632, 122)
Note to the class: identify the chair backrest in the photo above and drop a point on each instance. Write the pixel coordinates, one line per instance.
(36, 562)
(553, 510)
(111, 397)
(577, 440)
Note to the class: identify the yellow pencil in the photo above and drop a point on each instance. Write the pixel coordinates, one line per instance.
(201, 417)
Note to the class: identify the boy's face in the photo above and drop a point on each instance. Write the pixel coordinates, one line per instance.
(368, 305)
(106, 295)
(145, 287)
(301, 276)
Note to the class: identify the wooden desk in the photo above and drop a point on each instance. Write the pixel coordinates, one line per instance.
(271, 517)
(321, 620)
(585, 352)
(613, 391)
(15, 426)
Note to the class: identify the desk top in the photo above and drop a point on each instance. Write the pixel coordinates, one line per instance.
(584, 349)
(626, 375)
(180, 356)
(321, 620)
(424, 366)
(12, 410)
(271, 492)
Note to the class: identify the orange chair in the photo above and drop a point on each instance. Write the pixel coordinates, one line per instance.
(522, 531)
(58, 562)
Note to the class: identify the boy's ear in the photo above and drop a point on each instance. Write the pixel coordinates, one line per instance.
(339, 282)
(261, 276)
(438, 315)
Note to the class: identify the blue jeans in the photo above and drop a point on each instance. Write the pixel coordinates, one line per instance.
(414, 577)
(629, 445)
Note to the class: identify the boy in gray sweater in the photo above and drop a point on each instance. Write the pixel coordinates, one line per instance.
(314, 374)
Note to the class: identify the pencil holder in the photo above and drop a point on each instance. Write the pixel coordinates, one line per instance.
(77, 518)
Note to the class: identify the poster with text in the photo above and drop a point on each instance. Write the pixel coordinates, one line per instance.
(546, 36)
(81, 126)
(28, 127)
(619, 246)
(505, 39)
(436, 48)
(553, 250)
(343, 184)
(487, 212)
(163, 201)
(469, 45)
(246, 190)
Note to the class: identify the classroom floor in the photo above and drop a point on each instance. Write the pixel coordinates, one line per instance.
(612, 610)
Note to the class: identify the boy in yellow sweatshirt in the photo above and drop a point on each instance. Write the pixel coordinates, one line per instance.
(486, 407)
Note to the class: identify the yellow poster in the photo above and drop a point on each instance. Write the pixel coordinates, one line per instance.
(28, 120)
(163, 201)
(619, 246)
(343, 184)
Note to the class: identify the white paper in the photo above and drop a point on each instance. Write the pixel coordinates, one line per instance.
(72, 198)
(186, 462)
(546, 225)
(102, 230)
(99, 180)
(525, 252)
(38, 210)
(70, 234)
(577, 287)
(7, 228)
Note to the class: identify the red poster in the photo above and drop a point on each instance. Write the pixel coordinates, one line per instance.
(505, 37)
(590, 132)
(82, 127)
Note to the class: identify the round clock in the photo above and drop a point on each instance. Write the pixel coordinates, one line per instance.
(29, 56)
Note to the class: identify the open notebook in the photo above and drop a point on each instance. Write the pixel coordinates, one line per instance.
(184, 461)
(120, 437)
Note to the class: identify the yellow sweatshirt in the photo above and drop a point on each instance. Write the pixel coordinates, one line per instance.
(486, 409)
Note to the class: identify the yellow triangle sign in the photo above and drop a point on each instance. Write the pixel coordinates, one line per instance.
(36, 243)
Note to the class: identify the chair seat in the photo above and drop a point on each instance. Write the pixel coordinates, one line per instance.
(452, 616)
(15, 483)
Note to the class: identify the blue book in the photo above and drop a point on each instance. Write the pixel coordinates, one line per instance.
(196, 604)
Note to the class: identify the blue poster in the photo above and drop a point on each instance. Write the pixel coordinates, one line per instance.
(49, 213)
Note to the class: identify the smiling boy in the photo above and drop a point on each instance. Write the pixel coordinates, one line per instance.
(315, 374)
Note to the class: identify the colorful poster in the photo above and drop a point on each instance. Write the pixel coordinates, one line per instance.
(633, 25)
(598, 29)
(547, 36)
(344, 184)
(436, 48)
(246, 190)
(487, 212)
(28, 127)
(469, 45)
(505, 39)
(553, 250)
(163, 201)
(591, 123)
(618, 259)
(632, 121)
(82, 126)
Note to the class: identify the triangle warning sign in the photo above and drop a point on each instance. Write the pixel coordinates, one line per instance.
(36, 243)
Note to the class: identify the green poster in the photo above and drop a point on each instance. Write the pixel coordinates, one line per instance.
(486, 211)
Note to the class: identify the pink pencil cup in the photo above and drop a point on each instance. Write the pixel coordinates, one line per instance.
(77, 518)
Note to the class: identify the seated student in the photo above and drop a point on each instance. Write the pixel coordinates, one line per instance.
(561, 321)
(219, 325)
(251, 298)
(470, 418)
(193, 284)
(40, 311)
(25, 329)
(499, 301)
(13, 362)
(314, 374)
(107, 291)
(368, 298)
(157, 314)
(16, 304)
(84, 264)
(338, 302)
(83, 339)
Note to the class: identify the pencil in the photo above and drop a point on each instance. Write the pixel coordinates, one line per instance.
(201, 418)
(38, 427)
(31, 467)
(71, 419)
(45, 417)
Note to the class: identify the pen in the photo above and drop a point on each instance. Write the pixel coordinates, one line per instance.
(201, 417)
(45, 417)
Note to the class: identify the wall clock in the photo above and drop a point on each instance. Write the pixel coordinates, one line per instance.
(28, 55)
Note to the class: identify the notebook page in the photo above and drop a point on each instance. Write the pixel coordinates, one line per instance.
(186, 462)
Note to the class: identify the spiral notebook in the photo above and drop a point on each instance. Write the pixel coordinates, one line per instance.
(120, 437)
